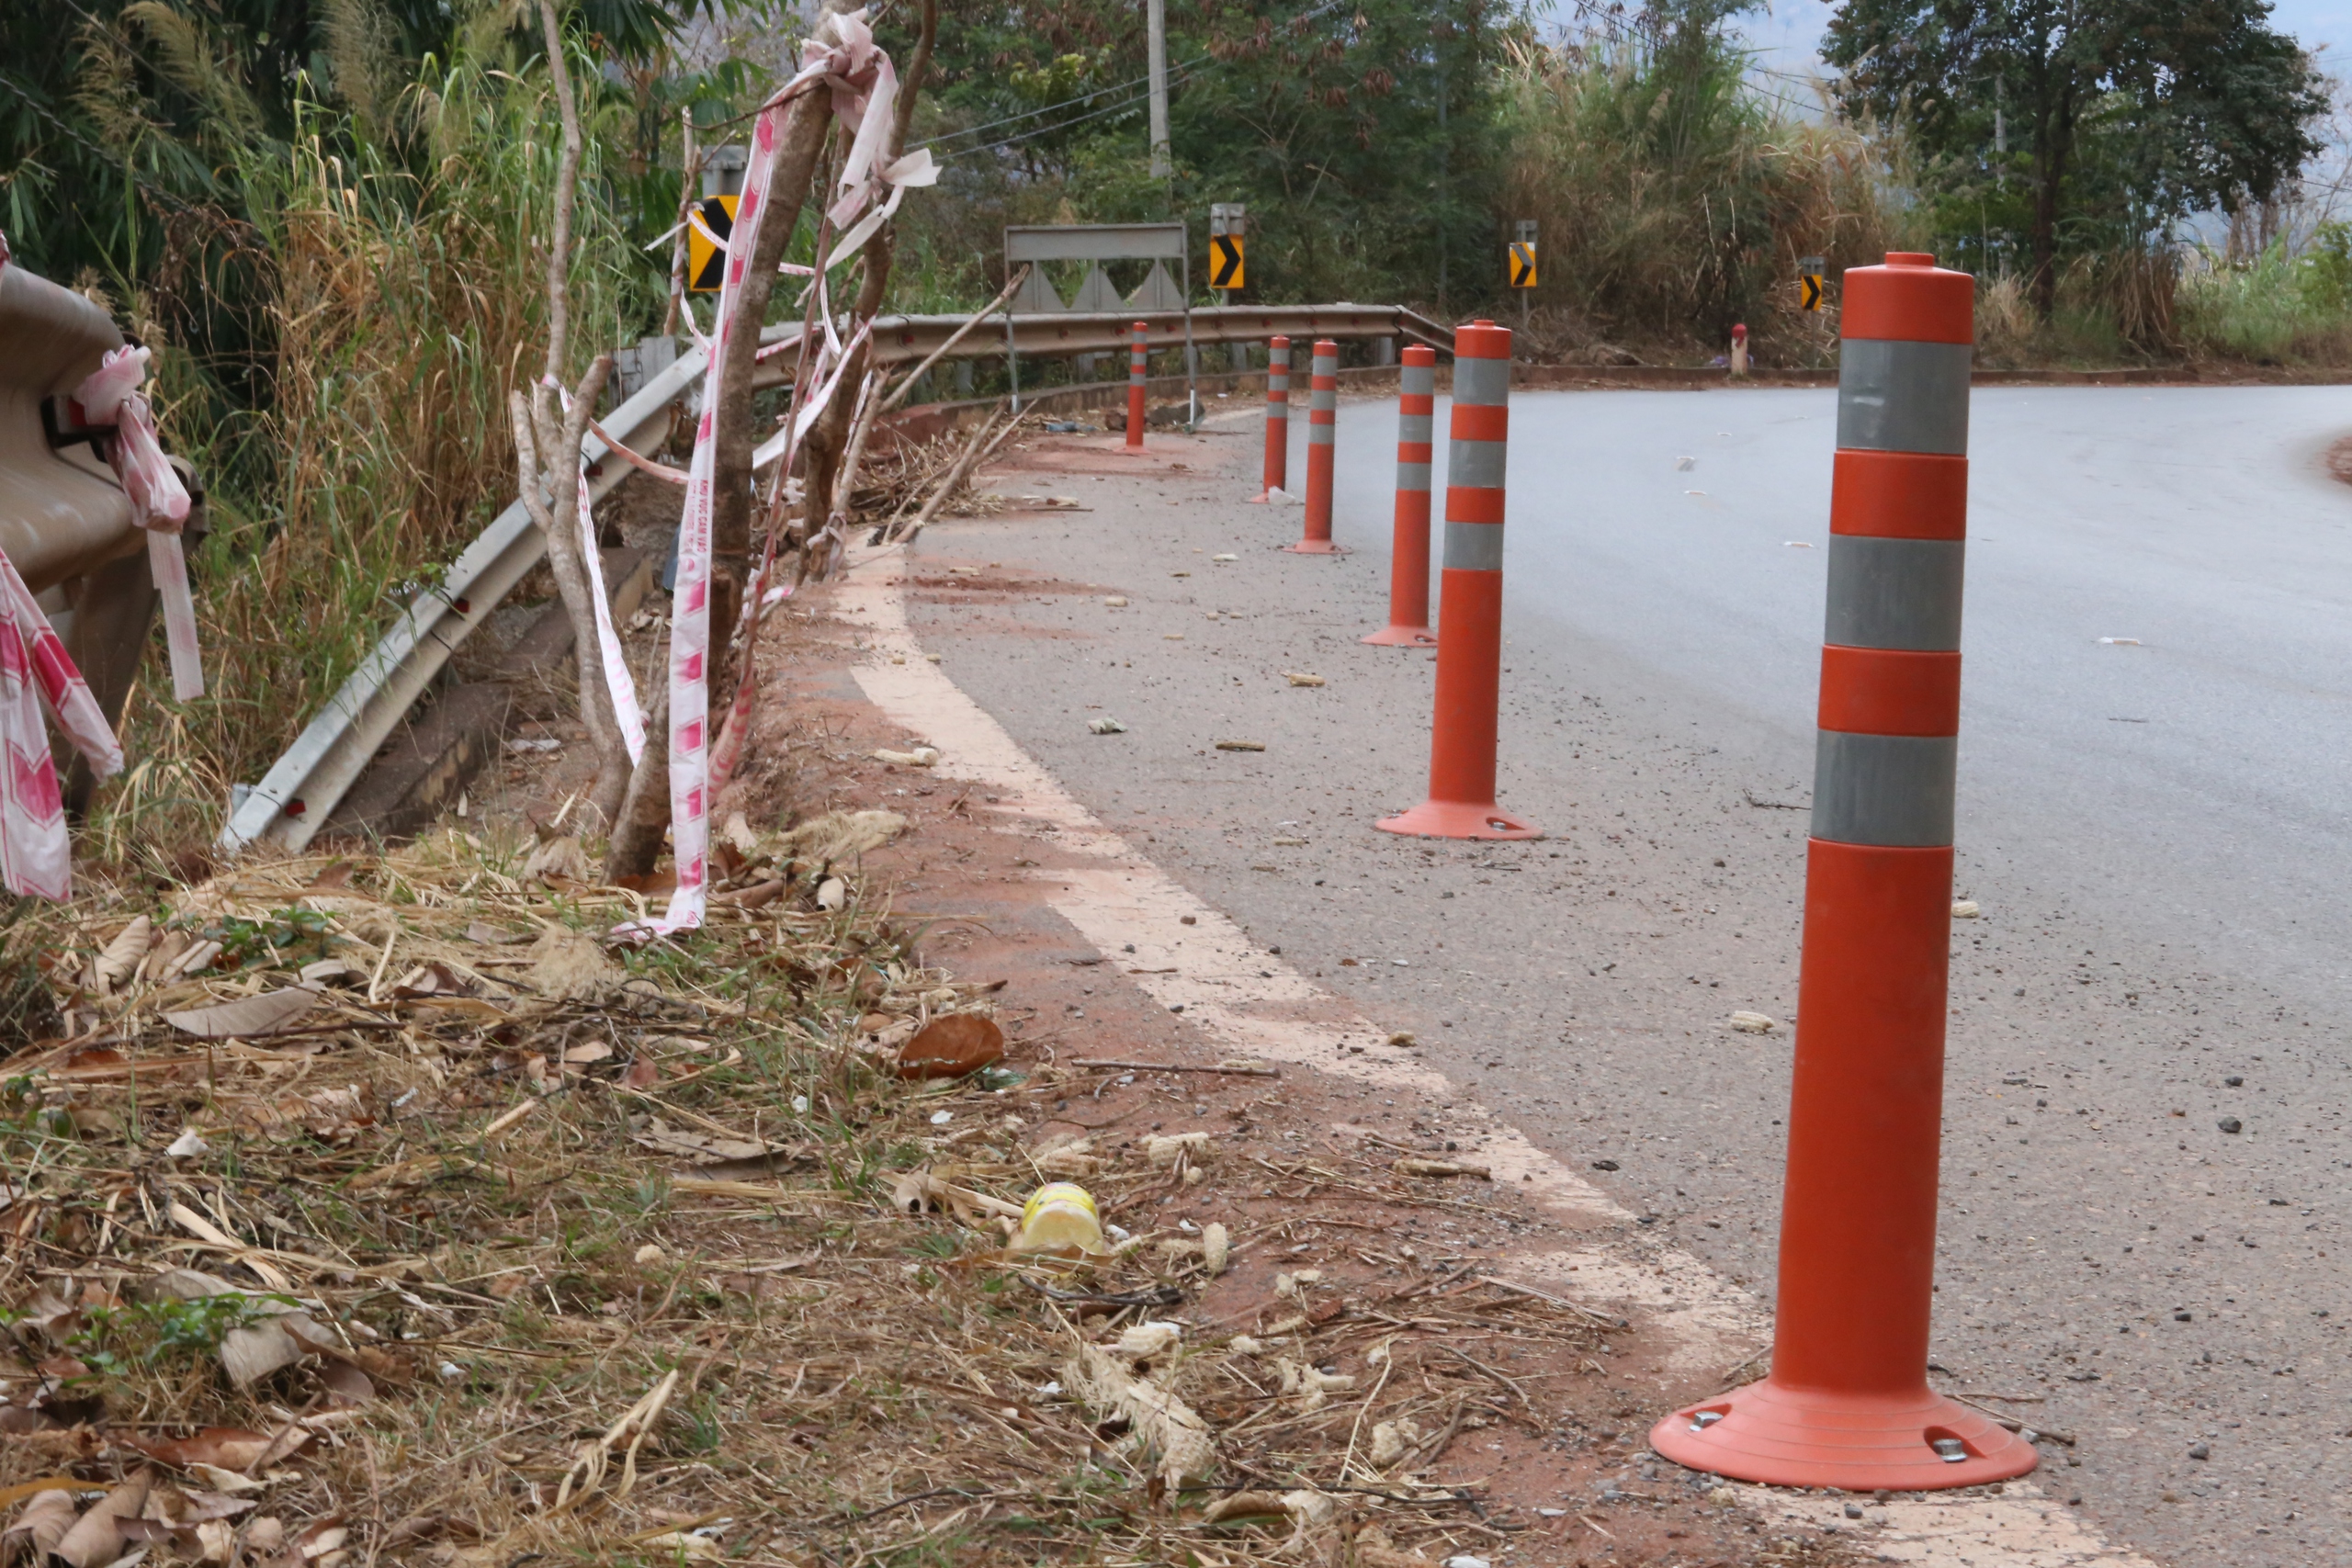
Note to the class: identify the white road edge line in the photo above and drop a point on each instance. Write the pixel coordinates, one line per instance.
(1250, 1003)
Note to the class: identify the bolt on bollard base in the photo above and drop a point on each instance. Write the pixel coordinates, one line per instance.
(1847, 1403)
(1781, 1437)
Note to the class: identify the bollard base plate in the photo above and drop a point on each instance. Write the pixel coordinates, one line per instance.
(1317, 547)
(1790, 1437)
(1458, 819)
(1401, 637)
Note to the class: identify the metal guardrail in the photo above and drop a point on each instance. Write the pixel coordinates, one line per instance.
(907, 340)
(302, 788)
(305, 785)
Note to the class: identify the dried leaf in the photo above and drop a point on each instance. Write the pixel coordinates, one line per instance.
(252, 1353)
(44, 1521)
(593, 1051)
(952, 1046)
(1244, 1508)
(704, 1149)
(322, 1538)
(98, 1536)
(333, 972)
(558, 860)
(247, 1018)
(435, 979)
(120, 960)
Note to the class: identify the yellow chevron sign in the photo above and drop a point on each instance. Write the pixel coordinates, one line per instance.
(1224, 261)
(1522, 264)
(706, 263)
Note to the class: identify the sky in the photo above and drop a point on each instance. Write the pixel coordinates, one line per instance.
(1787, 34)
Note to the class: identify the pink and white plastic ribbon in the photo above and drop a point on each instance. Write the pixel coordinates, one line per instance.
(627, 714)
(35, 856)
(844, 60)
(36, 859)
(159, 503)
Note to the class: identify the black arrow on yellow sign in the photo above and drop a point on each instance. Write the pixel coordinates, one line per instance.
(1809, 285)
(1522, 264)
(1224, 261)
(706, 262)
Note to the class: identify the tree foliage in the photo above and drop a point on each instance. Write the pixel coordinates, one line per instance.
(1361, 136)
(2124, 115)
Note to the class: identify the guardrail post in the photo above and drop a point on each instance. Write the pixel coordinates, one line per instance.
(1848, 1403)
(1470, 604)
(1322, 426)
(1277, 469)
(1408, 551)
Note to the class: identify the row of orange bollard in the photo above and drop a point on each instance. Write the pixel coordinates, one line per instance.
(1847, 1403)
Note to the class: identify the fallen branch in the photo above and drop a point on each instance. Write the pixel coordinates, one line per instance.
(1226, 1070)
(898, 393)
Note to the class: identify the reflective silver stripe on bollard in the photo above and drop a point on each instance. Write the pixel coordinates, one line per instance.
(1890, 599)
(1323, 398)
(1414, 432)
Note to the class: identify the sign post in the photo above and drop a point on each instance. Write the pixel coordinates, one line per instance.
(1522, 264)
(711, 220)
(1227, 238)
(1812, 285)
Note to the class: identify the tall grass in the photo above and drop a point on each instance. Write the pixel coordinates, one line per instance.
(1676, 201)
(404, 269)
(2279, 308)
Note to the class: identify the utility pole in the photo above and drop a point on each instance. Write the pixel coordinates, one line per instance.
(1156, 14)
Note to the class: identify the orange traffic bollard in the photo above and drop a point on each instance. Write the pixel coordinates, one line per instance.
(1408, 554)
(1137, 359)
(1322, 425)
(1470, 604)
(1277, 475)
(1847, 1403)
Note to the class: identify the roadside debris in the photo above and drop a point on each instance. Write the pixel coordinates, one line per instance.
(1240, 745)
(1106, 727)
(1752, 1022)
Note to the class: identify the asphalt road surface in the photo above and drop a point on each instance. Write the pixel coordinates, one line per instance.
(2153, 828)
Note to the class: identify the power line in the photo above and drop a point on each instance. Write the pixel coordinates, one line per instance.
(1189, 68)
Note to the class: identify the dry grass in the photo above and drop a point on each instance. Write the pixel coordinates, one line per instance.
(401, 273)
(618, 1257)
